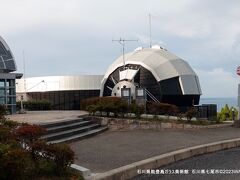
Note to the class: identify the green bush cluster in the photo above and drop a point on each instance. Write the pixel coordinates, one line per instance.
(117, 105)
(136, 109)
(190, 113)
(162, 109)
(108, 105)
(35, 105)
(227, 113)
(24, 156)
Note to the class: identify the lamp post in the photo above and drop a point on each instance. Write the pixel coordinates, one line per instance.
(238, 73)
(238, 101)
(22, 110)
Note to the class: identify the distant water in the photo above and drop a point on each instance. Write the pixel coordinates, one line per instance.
(220, 102)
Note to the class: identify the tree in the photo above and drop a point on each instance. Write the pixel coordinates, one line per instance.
(227, 113)
(192, 112)
(28, 135)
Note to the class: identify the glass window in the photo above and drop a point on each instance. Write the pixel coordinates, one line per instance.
(9, 100)
(13, 100)
(2, 49)
(12, 91)
(2, 83)
(2, 92)
(140, 92)
(8, 91)
(12, 82)
(7, 83)
(2, 100)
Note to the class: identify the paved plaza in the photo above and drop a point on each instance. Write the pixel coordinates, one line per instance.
(114, 149)
(38, 117)
(219, 162)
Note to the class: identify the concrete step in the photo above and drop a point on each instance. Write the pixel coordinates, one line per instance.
(70, 132)
(61, 122)
(74, 125)
(80, 136)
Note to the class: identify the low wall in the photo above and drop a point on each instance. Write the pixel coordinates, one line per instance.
(131, 124)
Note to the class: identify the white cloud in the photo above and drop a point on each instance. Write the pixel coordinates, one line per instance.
(144, 41)
(218, 83)
(205, 33)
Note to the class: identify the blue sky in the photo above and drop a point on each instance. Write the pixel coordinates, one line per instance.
(62, 37)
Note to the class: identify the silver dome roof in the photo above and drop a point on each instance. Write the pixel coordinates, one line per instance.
(163, 65)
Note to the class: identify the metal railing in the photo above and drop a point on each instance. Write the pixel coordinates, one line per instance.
(152, 96)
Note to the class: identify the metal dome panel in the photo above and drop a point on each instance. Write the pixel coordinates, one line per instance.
(163, 65)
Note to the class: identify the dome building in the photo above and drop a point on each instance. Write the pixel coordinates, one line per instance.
(7, 78)
(165, 77)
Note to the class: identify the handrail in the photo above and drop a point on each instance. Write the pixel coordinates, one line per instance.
(152, 96)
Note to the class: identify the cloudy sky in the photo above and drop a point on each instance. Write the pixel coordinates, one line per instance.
(73, 37)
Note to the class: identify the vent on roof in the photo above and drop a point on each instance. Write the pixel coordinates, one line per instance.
(157, 47)
(138, 49)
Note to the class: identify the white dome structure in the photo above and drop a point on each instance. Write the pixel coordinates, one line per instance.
(167, 77)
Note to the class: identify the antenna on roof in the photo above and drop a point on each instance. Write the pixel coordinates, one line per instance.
(24, 71)
(150, 31)
(122, 42)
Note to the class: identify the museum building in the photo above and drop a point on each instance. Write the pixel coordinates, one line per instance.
(163, 76)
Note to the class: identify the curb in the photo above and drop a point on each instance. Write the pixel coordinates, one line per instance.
(86, 173)
(129, 171)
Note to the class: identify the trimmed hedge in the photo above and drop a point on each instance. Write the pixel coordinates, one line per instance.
(108, 105)
(117, 105)
(162, 109)
(35, 105)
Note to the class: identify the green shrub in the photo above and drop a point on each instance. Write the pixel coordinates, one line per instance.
(5, 134)
(108, 105)
(29, 133)
(87, 102)
(61, 155)
(28, 136)
(35, 105)
(45, 167)
(15, 164)
(136, 109)
(3, 112)
(92, 109)
(117, 105)
(24, 156)
(190, 113)
(3, 120)
(162, 108)
(9, 123)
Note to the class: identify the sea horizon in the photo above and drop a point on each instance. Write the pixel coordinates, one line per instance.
(219, 101)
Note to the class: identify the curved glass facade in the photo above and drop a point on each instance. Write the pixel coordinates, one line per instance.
(8, 94)
(7, 79)
(7, 63)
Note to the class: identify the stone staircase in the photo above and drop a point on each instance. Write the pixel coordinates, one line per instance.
(71, 130)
